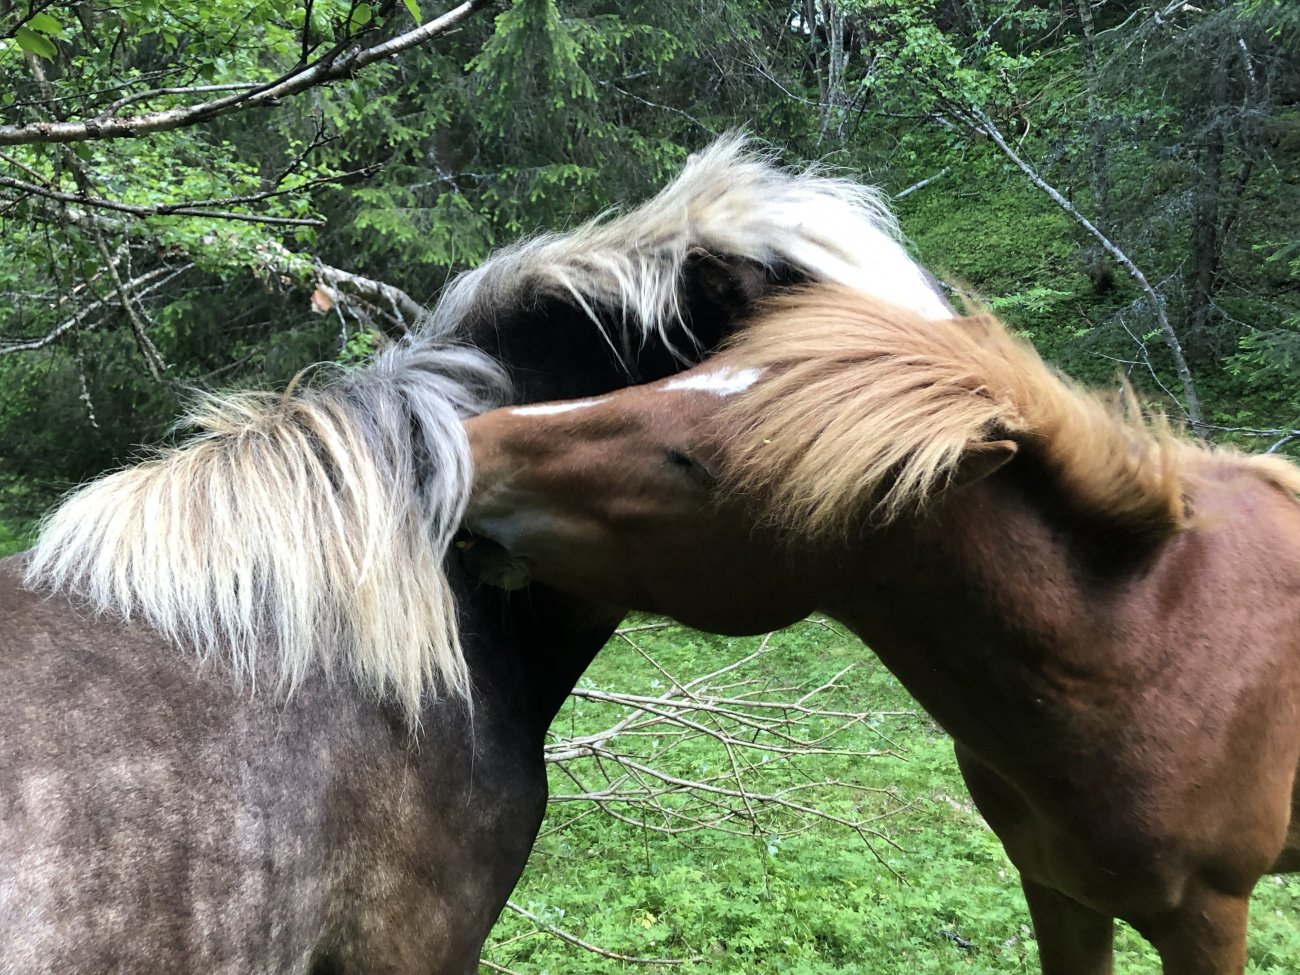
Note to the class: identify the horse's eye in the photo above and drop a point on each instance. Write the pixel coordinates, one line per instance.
(691, 467)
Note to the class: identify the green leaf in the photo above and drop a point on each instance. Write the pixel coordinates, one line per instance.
(45, 24)
(360, 17)
(413, 9)
(35, 43)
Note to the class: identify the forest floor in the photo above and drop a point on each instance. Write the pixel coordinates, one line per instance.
(928, 890)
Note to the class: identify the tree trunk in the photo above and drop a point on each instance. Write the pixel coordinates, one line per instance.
(1098, 269)
(1206, 250)
(834, 96)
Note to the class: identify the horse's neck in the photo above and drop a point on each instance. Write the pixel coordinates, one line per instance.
(978, 605)
(539, 638)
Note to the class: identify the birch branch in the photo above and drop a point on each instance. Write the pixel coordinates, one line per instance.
(337, 64)
(921, 184)
(137, 287)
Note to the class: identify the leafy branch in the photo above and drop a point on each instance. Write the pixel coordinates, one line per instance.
(342, 61)
(194, 208)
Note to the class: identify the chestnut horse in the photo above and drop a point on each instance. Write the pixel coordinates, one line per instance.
(1105, 616)
(243, 731)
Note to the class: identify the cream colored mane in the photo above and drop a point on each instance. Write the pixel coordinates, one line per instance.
(866, 404)
(730, 199)
(312, 525)
(309, 524)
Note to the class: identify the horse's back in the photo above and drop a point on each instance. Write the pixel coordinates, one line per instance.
(121, 787)
(157, 815)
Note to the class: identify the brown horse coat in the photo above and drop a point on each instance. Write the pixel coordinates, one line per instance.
(158, 819)
(1105, 617)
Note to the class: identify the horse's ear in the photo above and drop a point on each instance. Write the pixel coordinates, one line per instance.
(982, 458)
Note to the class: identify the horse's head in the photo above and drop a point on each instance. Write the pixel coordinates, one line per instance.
(727, 496)
(617, 498)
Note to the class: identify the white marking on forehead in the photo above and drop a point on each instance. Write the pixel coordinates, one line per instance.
(721, 382)
(551, 409)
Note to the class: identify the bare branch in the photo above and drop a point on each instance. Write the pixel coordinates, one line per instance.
(335, 65)
(922, 184)
(136, 287)
(573, 939)
(154, 359)
(379, 303)
(760, 732)
(142, 96)
(376, 303)
(196, 209)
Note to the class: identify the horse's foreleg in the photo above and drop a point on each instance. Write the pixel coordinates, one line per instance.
(1204, 935)
(1072, 939)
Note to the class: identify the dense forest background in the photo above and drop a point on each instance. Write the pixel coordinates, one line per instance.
(223, 193)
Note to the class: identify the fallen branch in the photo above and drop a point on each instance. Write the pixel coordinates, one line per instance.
(758, 730)
(719, 752)
(573, 939)
(921, 184)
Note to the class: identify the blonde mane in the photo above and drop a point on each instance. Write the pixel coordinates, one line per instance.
(866, 406)
(730, 200)
(313, 524)
(310, 523)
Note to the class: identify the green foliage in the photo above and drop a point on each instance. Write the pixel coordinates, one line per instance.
(360, 347)
(20, 508)
(548, 113)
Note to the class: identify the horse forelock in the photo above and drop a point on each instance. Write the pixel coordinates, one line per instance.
(310, 523)
(867, 409)
(624, 271)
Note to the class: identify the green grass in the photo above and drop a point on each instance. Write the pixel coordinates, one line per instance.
(20, 508)
(932, 892)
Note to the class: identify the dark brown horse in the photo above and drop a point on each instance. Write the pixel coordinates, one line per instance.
(1105, 616)
(253, 722)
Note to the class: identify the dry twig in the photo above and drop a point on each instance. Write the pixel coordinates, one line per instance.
(751, 743)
